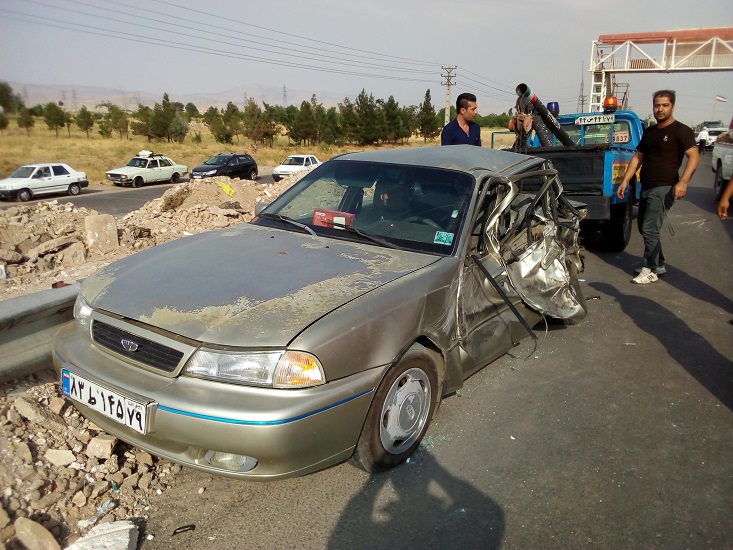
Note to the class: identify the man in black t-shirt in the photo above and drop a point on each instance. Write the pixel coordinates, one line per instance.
(659, 154)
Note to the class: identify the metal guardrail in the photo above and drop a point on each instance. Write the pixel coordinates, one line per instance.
(27, 326)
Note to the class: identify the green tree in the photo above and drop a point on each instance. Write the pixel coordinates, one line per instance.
(160, 123)
(69, 121)
(36, 110)
(349, 121)
(232, 118)
(179, 127)
(84, 120)
(392, 119)
(115, 120)
(212, 119)
(428, 124)
(191, 111)
(9, 101)
(141, 123)
(305, 129)
(331, 127)
(54, 116)
(4, 121)
(367, 119)
(408, 126)
(104, 128)
(26, 120)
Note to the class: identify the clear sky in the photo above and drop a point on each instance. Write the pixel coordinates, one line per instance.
(334, 49)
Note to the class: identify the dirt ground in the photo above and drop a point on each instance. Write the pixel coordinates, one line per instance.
(60, 475)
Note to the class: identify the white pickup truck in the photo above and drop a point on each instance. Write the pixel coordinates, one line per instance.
(722, 163)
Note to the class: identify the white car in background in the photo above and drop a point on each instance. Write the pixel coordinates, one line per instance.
(147, 167)
(42, 179)
(293, 164)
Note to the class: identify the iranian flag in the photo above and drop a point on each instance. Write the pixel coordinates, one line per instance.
(720, 98)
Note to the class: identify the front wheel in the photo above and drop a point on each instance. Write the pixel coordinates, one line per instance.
(137, 182)
(718, 183)
(24, 195)
(74, 189)
(400, 413)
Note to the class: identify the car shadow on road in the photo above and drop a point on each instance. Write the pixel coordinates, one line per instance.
(421, 505)
(689, 349)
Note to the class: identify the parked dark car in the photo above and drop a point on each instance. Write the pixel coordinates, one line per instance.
(234, 165)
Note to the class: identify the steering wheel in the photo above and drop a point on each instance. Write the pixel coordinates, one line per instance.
(424, 221)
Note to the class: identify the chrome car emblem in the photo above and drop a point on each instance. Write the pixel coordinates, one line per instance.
(129, 345)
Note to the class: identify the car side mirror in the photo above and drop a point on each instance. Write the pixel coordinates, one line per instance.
(260, 206)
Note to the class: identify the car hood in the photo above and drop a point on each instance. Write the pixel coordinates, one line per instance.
(246, 285)
(127, 170)
(290, 168)
(14, 181)
(207, 167)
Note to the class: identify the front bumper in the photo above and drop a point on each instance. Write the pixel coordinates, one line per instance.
(288, 432)
(8, 193)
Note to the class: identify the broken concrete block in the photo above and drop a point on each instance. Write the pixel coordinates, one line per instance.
(59, 457)
(39, 415)
(101, 446)
(34, 535)
(120, 535)
(100, 233)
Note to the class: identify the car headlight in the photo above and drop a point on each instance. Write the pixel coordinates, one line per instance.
(276, 369)
(82, 312)
(209, 173)
(4, 187)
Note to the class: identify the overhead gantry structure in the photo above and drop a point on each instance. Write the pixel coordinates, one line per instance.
(687, 50)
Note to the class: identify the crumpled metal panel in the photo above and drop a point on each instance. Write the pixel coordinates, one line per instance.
(541, 276)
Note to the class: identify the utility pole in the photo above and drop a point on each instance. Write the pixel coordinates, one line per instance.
(448, 83)
(581, 95)
(285, 96)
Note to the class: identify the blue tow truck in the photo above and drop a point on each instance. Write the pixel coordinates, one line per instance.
(592, 167)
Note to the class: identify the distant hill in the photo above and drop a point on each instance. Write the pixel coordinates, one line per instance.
(76, 96)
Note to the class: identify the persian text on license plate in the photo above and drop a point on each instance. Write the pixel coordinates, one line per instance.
(125, 410)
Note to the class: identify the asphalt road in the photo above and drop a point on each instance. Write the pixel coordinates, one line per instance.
(614, 433)
(118, 201)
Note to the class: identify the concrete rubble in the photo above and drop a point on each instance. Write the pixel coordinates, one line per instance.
(64, 482)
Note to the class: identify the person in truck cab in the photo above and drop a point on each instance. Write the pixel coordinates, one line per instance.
(659, 154)
(462, 129)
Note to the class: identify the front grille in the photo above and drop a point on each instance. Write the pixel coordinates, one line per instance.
(148, 352)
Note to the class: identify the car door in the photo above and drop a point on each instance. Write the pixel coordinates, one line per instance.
(61, 178)
(165, 170)
(486, 322)
(234, 167)
(42, 181)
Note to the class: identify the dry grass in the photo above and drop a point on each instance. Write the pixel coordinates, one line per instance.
(95, 155)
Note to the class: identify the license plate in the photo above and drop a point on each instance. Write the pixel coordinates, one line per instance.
(125, 410)
(595, 119)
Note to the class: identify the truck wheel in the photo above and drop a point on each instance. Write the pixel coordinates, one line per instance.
(616, 232)
(137, 182)
(175, 178)
(718, 183)
(74, 189)
(24, 195)
(400, 412)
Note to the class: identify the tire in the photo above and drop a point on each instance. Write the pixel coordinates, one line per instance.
(137, 182)
(24, 195)
(176, 177)
(718, 183)
(616, 232)
(74, 189)
(252, 174)
(400, 413)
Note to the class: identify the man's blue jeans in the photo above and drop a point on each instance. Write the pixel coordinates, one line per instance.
(653, 207)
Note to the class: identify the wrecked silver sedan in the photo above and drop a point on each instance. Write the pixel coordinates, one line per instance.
(331, 326)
